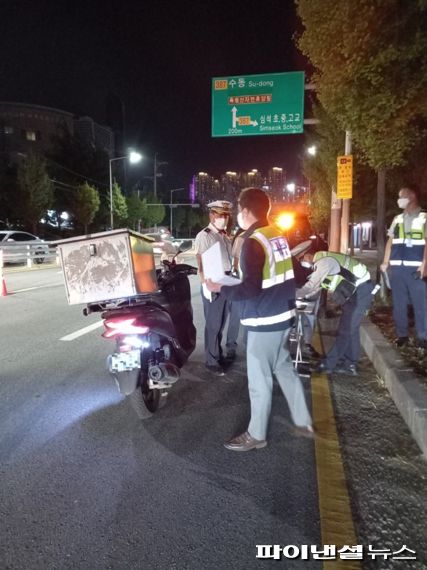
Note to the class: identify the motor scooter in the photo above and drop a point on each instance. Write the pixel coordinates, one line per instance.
(154, 336)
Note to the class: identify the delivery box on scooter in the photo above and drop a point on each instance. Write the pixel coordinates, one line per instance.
(107, 265)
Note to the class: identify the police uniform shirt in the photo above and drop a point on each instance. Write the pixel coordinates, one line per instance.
(210, 235)
(408, 218)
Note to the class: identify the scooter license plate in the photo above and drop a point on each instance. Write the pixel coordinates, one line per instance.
(121, 361)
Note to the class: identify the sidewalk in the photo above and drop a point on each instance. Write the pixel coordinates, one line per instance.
(407, 392)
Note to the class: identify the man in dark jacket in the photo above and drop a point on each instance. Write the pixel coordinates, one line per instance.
(267, 295)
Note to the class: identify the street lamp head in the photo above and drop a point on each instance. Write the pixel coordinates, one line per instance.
(290, 187)
(312, 150)
(134, 157)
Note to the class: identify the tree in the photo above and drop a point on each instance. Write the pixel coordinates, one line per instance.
(71, 162)
(179, 219)
(35, 190)
(136, 210)
(9, 212)
(321, 170)
(86, 204)
(120, 210)
(370, 61)
(153, 214)
(192, 220)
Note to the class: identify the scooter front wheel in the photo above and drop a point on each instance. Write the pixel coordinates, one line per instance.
(144, 401)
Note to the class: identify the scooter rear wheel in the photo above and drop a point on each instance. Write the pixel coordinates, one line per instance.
(144, 401)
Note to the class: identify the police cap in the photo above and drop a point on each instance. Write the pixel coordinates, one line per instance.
(220, 206)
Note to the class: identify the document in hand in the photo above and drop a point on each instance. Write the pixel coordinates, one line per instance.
(213, 268)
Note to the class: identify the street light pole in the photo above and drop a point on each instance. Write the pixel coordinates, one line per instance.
(133, 157)
(111, 194)
(155, 175)
(345, 215)
(170, 206)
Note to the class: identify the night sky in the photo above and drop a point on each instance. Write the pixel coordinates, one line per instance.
(158, 57)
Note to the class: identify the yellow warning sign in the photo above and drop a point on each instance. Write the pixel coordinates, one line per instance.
(345, 177)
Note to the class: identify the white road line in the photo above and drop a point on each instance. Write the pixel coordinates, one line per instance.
(38, 287)
(83, 331)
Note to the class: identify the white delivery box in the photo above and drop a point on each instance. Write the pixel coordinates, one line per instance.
(107, 265)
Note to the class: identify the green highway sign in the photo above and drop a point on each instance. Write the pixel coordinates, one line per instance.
(267, 104)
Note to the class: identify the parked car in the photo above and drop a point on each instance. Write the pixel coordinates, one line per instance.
(164, 243)
(17, 244)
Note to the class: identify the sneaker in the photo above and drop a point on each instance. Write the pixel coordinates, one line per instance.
(231, 355)
(349, 370)
(305, 431)
(215, 369)
(402, 341)
(244, 442)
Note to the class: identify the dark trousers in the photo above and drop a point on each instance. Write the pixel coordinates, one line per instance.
(215, 317)
(347, 345)
(233, 325)
(406, 290)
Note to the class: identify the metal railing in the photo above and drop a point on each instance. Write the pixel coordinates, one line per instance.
(29, 253)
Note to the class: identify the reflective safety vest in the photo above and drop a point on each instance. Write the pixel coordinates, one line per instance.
(276, 303)
(408, 247)
(351, 271)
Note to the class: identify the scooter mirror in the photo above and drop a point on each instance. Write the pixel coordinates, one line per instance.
(185, 245)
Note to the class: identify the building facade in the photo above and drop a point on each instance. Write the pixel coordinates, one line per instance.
(204, 187)
(25, 128)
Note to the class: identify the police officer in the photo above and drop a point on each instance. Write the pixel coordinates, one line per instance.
(406, 256)
(351, 286)
(214, 304)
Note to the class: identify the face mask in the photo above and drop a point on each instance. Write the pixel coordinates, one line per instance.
(240, 221)
(403, 202)
(220, 223)
(306, 265)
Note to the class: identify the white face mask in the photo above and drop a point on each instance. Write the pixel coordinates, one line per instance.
(306, 264)
(403, 202)
(220, 223)
(240, 221)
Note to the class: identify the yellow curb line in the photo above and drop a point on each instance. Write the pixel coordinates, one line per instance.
(336, 521)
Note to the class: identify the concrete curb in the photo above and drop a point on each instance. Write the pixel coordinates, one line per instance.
(407, 393)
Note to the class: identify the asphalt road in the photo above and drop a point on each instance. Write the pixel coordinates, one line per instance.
(85, 484)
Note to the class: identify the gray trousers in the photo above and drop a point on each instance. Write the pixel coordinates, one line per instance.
(215, 317)
(268, 354)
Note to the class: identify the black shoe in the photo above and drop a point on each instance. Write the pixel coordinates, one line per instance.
(422, 343)
(349, 370)
(311, 351)
(402, 341)
(321, 368)
(231, 355)
(215, 369)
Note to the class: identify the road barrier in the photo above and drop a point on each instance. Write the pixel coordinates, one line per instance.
(28, 253)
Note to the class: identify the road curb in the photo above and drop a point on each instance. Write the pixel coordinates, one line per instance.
(409, 396)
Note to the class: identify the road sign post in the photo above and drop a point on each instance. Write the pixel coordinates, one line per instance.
(345, 191)
(267, 104)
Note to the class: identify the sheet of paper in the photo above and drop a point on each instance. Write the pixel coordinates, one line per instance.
(213, 268)
(229, 280)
